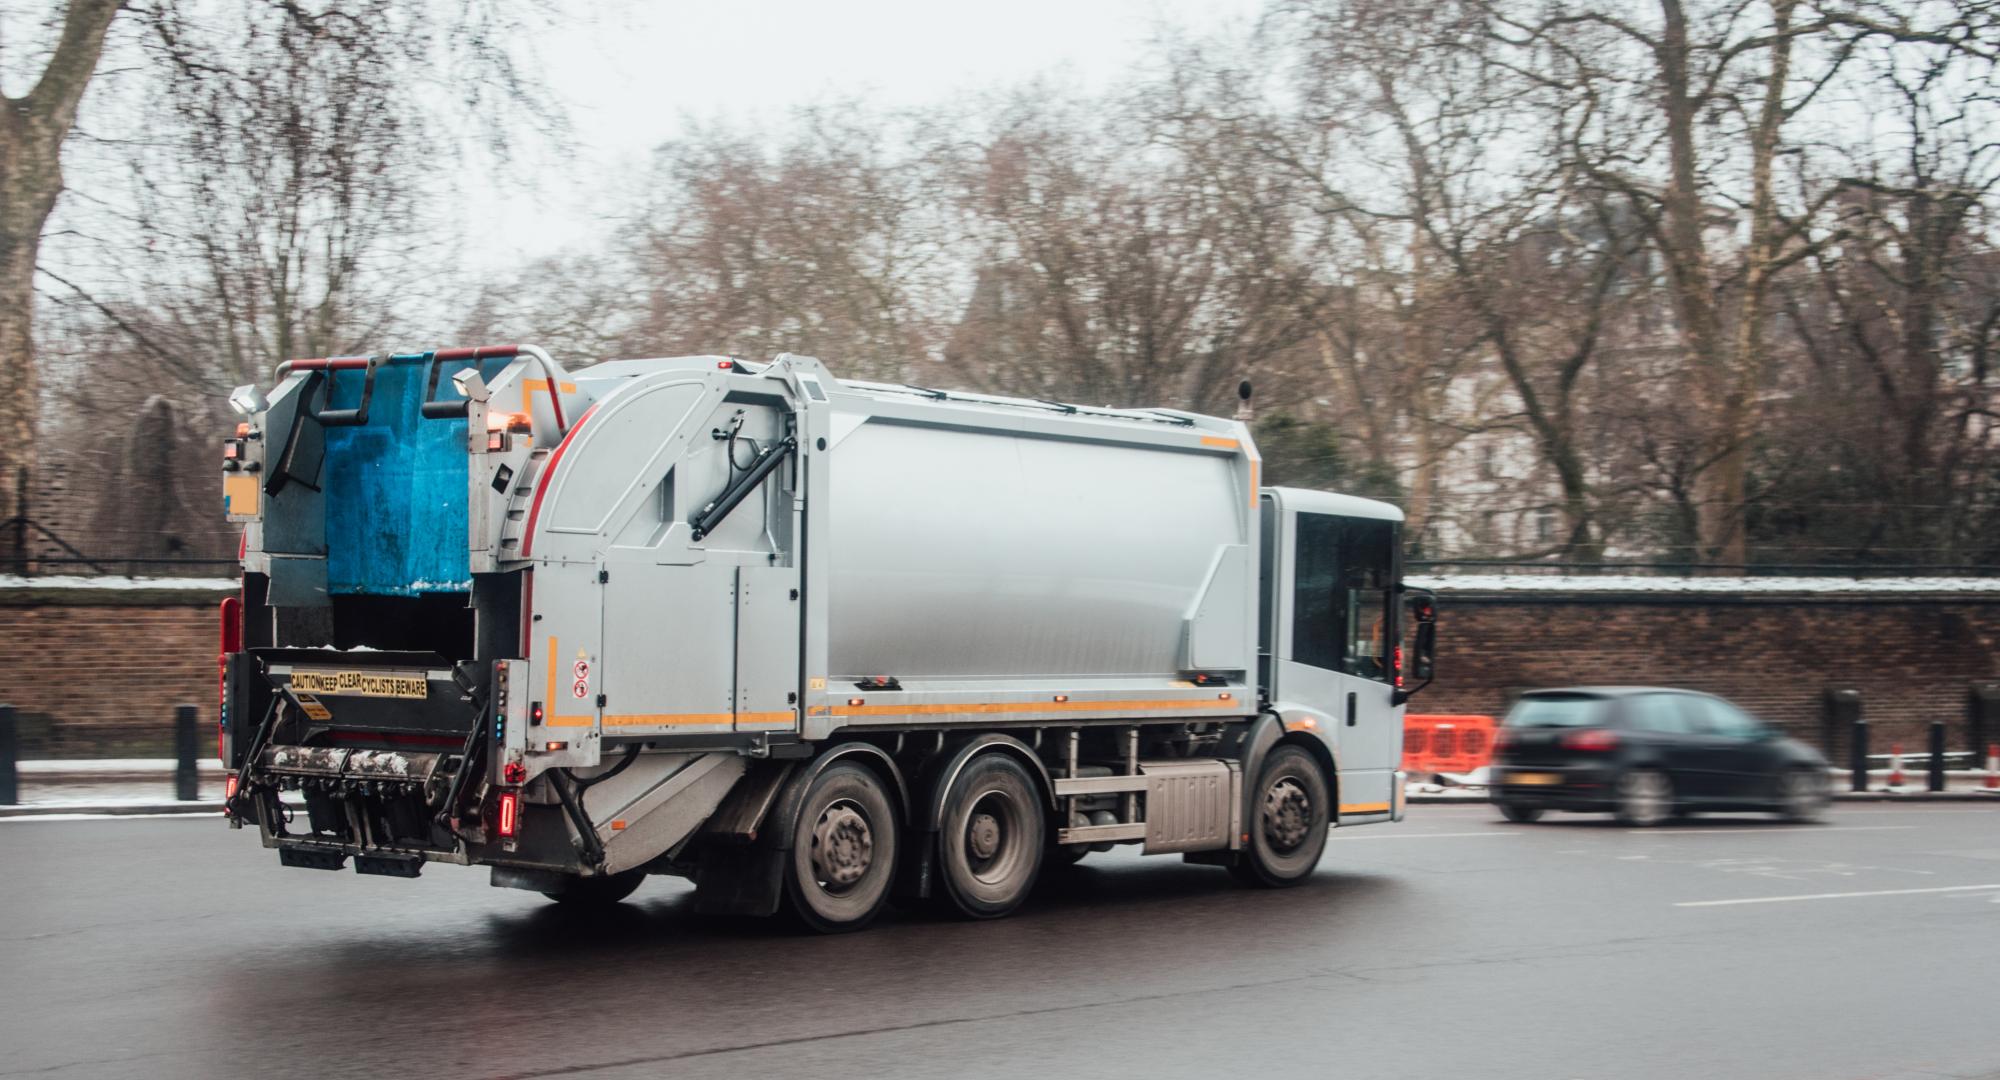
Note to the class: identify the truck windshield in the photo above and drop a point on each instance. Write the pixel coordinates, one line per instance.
(1565, 710)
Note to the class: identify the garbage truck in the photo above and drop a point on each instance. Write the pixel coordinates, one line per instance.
(814, 644)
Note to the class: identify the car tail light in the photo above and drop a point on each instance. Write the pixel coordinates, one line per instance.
(507, 816)
(1590, 740)
(1502, 739)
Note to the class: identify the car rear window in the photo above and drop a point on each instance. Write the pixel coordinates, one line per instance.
(1557, 710)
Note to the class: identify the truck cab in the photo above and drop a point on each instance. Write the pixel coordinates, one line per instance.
(1330, 623)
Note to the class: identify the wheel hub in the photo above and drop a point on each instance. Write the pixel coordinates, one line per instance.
(1287, 813)
(982, 836)
(842, 846)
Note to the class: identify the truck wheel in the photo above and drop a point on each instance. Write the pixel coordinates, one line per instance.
(598, 892)
(991, 840)
(843, 851)
(1293, 809)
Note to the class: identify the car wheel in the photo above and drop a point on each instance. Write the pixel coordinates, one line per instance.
(1294, 809)
(1645, 798)
(1803, 795)
(1520, 815)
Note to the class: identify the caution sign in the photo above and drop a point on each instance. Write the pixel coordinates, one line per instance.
(362, 683)
(313, 709)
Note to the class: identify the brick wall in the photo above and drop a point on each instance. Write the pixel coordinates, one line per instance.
(97, 672)
(1910, 655)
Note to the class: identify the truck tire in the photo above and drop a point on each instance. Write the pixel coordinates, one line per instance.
(598, 892)
(1293, 810)
(844, 851)
(991, 837)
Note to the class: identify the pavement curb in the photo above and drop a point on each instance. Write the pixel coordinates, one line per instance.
(112, 809)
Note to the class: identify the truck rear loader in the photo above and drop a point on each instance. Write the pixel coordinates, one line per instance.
(811, 643)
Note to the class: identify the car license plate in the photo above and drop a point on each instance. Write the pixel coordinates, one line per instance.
(1534, 778)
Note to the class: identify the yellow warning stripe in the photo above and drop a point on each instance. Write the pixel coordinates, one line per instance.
(1364, 808)
(529, 386)
(1217, 440)
(1025, 707)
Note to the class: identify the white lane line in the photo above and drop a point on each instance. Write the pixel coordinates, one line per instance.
(1421, 836)
(1794, 829)
(1832, 896)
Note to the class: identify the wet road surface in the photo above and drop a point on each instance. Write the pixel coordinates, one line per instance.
(1449, 945)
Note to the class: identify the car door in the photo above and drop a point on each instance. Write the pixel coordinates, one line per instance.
(1702, 752)
(1663, 724)
(1746, 754)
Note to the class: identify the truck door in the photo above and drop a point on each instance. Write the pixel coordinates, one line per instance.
(1343, 628)
(702, 634)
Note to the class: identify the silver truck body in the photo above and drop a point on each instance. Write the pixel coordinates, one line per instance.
(691, 581)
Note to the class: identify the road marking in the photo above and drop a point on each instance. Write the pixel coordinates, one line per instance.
(1424, 836)
(1831, 896)
(1798, 830)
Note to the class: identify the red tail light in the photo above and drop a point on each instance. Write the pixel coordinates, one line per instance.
(231, 641)
(1596, 741)
(1502, 739)
(1396, 666)
(507, 819)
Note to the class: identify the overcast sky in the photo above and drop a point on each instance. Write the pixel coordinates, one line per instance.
(630, 77)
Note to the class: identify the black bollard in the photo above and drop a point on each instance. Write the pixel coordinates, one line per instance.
(187, 782)
(1937, 756)
(1982, 718)
(1840, 707)
(10, 752)
(1857, 755)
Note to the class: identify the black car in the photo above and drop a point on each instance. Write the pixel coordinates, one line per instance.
(1647, 754)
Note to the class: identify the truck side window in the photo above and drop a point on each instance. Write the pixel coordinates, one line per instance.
(1318, 601)
(1367, 564)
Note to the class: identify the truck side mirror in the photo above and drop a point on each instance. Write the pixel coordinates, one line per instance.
(1423, 660)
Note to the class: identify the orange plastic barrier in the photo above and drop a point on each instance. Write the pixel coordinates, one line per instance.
(1446, 743)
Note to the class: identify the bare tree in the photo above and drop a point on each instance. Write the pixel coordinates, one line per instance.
(33, 129)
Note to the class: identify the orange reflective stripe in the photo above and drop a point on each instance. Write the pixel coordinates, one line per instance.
(1217, 440)
(688, 719)
(1364, 808)
(931, 708)
(549, 702)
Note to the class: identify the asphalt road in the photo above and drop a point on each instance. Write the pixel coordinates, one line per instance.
(1449, 945)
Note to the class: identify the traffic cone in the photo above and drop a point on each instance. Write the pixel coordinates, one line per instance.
(1993, 767)
(1896, 778)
